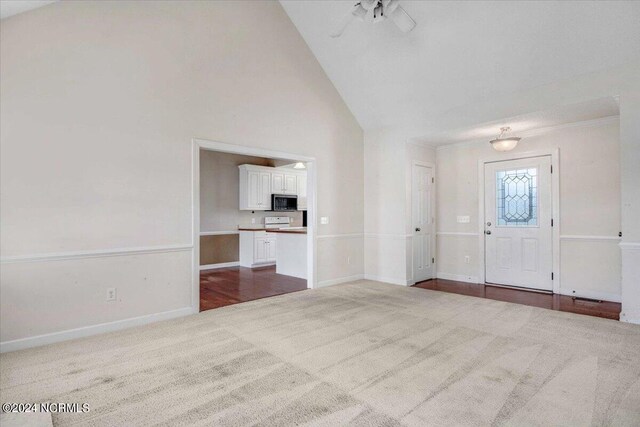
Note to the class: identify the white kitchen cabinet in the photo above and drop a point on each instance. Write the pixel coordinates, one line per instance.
(258, 183)
(301, 191)
(257, 248)
(283, 183)
(290, 186)
(255, 189)
(277, 182)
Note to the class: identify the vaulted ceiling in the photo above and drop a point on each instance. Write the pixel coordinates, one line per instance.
(463, 54)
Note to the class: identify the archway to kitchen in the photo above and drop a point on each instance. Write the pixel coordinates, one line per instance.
(253, 216)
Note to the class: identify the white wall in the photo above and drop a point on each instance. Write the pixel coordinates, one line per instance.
(630, 182)
(388, 159)
(589, 206)
(100, 101)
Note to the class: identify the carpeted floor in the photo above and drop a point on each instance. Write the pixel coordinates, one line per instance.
(364, 353)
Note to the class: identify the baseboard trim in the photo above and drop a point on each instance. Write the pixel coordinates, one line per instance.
(457, 277)
(86, 331)
(219, 265)
(604, 296)
(218, 233)
(339, 280)
(624, 318)
(390, 280)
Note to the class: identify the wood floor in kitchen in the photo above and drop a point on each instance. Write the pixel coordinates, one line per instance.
(226, 286)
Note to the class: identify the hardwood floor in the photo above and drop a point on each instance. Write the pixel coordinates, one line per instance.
(606, 309)
(226, 286)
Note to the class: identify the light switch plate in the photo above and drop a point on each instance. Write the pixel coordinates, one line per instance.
(324, 220)
(463, 219)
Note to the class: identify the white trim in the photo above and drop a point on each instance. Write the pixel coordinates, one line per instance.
(387, 236)
(218, 233)
(341, 236)
(219, 265)
(629, 245)
(455, 233)
(458, 277)
(390, 280)
(555, 206)
(339, 280)
(86, 331)
(590, 238)
(60, 256)
(581, 293)
(624, 318)
(531, 132)
(312, 253)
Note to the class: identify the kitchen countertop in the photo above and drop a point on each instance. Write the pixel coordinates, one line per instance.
(286, 230)
(293, 230)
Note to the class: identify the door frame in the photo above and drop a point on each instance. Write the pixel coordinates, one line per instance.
(433, 210)
(555, 207)
(222, 147)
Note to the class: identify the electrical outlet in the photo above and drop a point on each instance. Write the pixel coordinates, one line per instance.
(467, 259)
(253, 220)
(324, 220)
(111, 294)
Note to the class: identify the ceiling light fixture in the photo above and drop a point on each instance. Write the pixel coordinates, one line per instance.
(299, 165)
(504, 144)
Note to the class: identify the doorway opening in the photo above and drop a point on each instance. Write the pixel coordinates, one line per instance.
(253, 224)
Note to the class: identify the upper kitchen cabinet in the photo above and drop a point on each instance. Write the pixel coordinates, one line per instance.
(255, 188)
(301, 191)
(258, 183)
(283, 182)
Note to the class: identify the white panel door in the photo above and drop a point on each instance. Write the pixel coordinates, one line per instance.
(423, 223)
(518, 233)
(265, 190)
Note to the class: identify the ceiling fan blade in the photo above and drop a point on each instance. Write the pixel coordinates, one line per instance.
(402, 19)
(342, 25)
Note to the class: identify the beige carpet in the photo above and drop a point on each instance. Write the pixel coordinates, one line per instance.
(364, 353)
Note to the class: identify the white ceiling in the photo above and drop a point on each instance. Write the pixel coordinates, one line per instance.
(461, 53)
(13, 7)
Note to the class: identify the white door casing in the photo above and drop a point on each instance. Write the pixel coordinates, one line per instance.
(517, 223)
(423, 222)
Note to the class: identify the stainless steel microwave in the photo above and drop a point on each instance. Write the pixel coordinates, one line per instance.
(284, 202)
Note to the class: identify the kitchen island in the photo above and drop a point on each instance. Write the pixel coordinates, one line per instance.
(291, 252)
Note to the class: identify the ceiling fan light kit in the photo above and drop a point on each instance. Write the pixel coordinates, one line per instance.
(504, 144)
(376, 11)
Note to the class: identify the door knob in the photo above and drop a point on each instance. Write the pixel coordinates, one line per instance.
(487, 232)
(417, 229)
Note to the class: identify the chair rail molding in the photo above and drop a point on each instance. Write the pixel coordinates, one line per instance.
(98, 253)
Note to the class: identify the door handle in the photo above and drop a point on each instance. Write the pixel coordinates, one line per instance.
(487, 232)
(417, 229)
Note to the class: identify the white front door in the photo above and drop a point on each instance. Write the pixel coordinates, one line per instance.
(517, 223)
(423, 223)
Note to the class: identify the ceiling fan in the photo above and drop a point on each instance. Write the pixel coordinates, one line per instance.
(376, 11)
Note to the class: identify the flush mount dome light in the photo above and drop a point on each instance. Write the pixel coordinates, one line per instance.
(504, 144)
